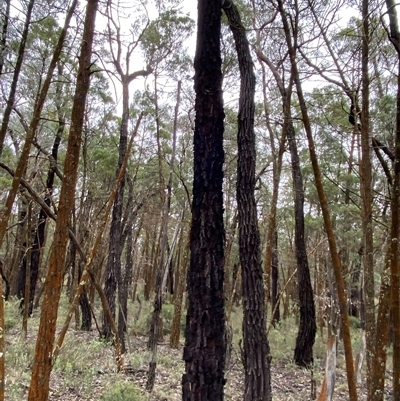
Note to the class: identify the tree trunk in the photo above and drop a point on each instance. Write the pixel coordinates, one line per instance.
(160, 285)
(303, 353)
(276, 316)
(115, 245)
(395, 223)
(19, 257)
(113, 279)
(23, 159)
(17, 70)
(276, 171)
(180, 287)
(325, 212)
(4, 31)
(127, 237)
(2, 341)
(39, 387)
(40, 232)
(257, 357)
(382, 335)
(204, 352)
(366, 204)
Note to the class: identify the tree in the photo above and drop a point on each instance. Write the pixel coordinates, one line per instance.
(395, 204)
(39, 387)
(367, 200)
(114, 278)
(303, 353)
(31, 130)
(204, 351)
(17, 70)
(256, 354)
(4, 31)
(324, 207)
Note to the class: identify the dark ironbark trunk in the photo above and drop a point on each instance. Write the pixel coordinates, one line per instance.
(303, 353)
(115, 245)
(204, 352)
(19, 259)
(257, 357)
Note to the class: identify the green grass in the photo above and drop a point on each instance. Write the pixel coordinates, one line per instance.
(123, 391)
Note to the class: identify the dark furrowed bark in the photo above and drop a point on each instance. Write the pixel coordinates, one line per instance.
(256, 348)
(204, 351)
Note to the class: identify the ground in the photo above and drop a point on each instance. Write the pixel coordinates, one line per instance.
(86, 368)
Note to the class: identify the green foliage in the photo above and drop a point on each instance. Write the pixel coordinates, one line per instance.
(165, 35)
(354, 322)
(167, 316)
(123, 391)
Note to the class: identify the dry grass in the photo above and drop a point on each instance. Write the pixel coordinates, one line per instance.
(86, 368)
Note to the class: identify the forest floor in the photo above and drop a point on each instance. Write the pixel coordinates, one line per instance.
(86, 368)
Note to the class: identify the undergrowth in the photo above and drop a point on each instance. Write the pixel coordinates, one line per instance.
(86, 366)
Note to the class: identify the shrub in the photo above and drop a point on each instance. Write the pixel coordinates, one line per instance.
(123, 391)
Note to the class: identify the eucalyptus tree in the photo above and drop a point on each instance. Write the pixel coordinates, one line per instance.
(120, 52)
(303, 354)
(322, 198)
(39, 386)
(357, 51)
(5, 18)
(204, 351)
(395, 203)
(31, 129)
(163, 46)
(17, 70)
(256, 354)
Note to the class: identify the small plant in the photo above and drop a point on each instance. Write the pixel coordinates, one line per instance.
(123, 391)
(354, 322)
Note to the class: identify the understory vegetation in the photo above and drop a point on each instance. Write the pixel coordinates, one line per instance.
(86, 369)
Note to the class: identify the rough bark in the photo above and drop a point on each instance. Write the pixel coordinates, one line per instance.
(204, 352)
(126, 274)
(256, 356)
(115, 245)
(395, 222)
(39, 387)
(303, 353)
